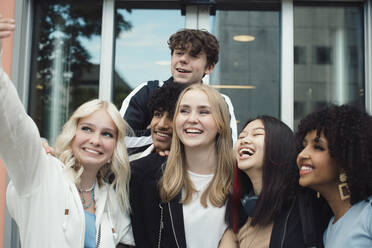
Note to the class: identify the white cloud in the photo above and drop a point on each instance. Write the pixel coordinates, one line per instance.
(162, 62)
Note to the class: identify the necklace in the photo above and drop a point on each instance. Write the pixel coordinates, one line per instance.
(90, 202)
(91, 189)
(87, 190)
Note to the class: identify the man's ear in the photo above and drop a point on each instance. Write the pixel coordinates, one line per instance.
(209, 69)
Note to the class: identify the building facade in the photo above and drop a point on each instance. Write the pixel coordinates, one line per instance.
(284, 58)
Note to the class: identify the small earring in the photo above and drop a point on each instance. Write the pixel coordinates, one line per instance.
(343, 188)
(108, 164)
(317, 195)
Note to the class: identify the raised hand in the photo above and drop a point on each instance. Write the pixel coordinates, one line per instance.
(7, 26)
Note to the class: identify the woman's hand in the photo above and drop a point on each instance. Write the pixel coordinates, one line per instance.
(7, 27)
(48, 149)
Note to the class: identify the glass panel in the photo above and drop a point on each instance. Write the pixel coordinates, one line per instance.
(248, 68)
(65, 61)
(328, 57)
(142, 52)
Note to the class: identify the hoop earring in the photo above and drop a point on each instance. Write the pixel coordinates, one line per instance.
(343, 188)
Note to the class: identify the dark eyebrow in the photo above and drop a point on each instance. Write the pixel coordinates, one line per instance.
(320, 140)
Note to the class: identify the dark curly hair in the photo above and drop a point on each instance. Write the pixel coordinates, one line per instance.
(279, 177)
(164, 99)
(348, 131)
(200, 40)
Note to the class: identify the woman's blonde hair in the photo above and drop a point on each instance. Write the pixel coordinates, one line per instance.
(175, 177)
(119, 162)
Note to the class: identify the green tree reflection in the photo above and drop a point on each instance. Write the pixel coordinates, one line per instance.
(62, 76)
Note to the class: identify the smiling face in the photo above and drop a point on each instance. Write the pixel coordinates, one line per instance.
(317, 169)
(250, 146)
(195, 124)
(161, 130)
(186, 68)
(95, 140)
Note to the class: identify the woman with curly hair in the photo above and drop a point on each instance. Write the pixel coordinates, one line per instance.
(63, 201)
(335, 160)
(264, 210)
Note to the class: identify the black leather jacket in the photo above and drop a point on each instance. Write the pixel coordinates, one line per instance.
(155, 224)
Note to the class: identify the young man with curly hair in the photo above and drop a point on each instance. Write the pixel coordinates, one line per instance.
(194, 53)
(162, 104)
(146, 166)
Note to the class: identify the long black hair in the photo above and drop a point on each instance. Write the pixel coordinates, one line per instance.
(279, 177)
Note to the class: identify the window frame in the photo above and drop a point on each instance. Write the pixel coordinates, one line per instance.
(368, 54)
(197, 17)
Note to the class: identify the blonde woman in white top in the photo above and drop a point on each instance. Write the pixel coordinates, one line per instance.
(63, 201)
(198, 174)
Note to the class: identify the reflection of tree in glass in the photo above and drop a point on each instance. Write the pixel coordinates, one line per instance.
(62, 72)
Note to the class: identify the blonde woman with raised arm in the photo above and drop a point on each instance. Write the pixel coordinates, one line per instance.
(63, 201)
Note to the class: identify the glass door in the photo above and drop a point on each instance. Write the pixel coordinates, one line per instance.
(141, 51)
(248, 70)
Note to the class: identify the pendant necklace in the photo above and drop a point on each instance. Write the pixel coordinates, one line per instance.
(82, 191)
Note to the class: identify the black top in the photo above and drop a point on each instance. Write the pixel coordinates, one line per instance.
(148, 212)
(300, 224)
(287, 229)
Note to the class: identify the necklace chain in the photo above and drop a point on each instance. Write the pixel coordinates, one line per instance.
(90, 202)
(87, 190)
(91, 189)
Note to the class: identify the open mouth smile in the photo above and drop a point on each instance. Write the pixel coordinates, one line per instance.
(193, 131)
(95, 152)
(245, 152)
(305, 169)
(182, 70)
(162, 136)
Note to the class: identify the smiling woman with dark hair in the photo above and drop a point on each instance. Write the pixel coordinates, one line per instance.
(268, 169)
(265, 209)
(335, 159)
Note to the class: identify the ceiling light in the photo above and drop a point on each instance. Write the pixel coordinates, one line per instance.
(244, 38)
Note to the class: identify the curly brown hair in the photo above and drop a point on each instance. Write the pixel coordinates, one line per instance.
(200, 41)
(348, 131)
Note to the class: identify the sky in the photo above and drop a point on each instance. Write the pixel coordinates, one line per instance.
(142, 53)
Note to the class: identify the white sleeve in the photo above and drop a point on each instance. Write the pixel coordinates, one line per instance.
(20, 145)
(234, 132)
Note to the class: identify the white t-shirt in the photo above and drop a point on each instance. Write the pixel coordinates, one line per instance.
(204, 227)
